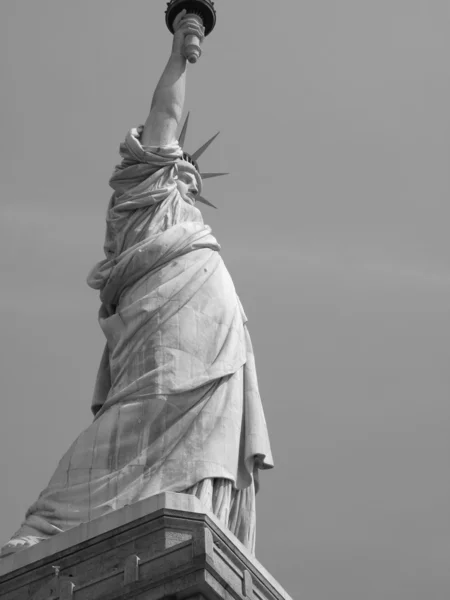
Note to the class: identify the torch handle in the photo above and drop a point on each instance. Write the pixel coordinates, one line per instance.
(192, 50)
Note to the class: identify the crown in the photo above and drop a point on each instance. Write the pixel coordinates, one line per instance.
(192, 159)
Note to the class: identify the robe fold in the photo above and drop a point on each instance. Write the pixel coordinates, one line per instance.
(176, 400)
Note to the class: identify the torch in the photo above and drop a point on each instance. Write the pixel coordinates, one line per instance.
(204, 11)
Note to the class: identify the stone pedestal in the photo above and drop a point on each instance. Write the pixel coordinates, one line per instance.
(166, 547)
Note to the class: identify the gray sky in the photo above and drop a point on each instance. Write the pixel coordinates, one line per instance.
(334, 225)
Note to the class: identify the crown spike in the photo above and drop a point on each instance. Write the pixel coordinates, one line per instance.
(211, 175)
(202, 149)
(204, 201)
(182, 137)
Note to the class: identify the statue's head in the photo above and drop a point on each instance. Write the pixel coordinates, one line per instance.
(188, 178)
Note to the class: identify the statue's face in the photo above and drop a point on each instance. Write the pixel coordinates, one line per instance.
(188, 181)
(187, 186)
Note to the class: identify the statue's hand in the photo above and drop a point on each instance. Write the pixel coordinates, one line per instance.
(183, 27)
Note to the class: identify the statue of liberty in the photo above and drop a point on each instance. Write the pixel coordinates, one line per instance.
(176, 403)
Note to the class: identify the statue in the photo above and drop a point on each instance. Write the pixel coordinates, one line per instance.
(176, 403)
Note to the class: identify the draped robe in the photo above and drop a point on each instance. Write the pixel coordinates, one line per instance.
(176, 401)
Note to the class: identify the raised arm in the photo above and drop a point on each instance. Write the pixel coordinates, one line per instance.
(168, 99)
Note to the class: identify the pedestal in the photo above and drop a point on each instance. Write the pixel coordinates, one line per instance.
(166, 547)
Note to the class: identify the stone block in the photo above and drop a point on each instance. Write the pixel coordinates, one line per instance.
(164, 548)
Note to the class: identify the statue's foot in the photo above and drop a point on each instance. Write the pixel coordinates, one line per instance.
(20, 543)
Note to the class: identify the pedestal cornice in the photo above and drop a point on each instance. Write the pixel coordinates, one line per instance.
(166, 547)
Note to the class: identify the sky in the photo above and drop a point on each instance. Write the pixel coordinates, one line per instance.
(333, 223)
